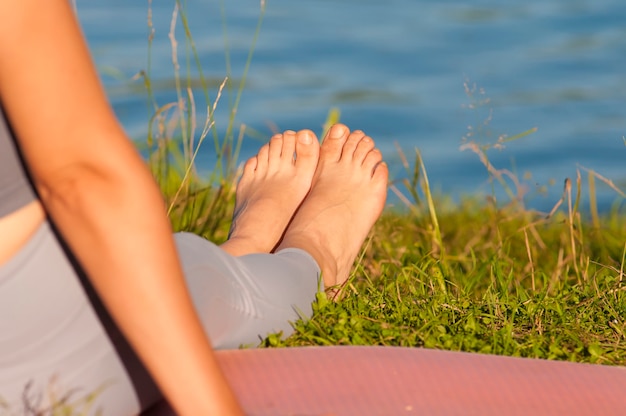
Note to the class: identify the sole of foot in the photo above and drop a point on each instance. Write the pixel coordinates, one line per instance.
(272, 187)
(347, 196)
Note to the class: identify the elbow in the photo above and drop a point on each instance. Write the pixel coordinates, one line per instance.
(68, 188)
(94, 190)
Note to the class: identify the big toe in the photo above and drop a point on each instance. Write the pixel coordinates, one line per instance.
(333, 143)
(307, 149)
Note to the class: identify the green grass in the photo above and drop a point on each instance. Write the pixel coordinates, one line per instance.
(482, 278)
(488, 295)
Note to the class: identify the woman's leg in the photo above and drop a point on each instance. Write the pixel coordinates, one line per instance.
(57, 340)
(242, 299)
(56, 337)
(242, 292)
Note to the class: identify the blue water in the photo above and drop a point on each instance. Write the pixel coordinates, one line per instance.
(397, 69)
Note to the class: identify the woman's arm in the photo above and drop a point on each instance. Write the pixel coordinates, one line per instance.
(104, 201)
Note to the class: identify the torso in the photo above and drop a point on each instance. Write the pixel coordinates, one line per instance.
(21, 213)
(17, 228)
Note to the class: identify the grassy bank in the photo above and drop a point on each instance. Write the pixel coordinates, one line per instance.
(473, 277)
(496, 285)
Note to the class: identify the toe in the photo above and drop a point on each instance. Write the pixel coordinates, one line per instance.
(250, 166)
(248, 172)
(351, 144)
(289, 146)
(262, 159)
(380, 178)
(275, 148)
(365, 145)
(332, 145)
(373, 158)
(307, 150)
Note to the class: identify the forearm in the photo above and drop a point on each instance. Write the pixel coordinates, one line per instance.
(116, 225)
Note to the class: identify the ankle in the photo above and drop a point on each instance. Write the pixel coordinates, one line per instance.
(326, 262)
(239, 246)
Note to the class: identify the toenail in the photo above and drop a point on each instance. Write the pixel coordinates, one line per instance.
(337, 132)
(305, 138)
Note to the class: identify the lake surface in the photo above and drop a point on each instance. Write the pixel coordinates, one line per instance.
(397, 69)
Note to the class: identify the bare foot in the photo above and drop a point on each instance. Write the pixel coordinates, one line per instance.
(347, 196)
(272, 186)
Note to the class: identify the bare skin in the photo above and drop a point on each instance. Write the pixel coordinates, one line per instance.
(20, 226)
(347, 196)
(271, 189)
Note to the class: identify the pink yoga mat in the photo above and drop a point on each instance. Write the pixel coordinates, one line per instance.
(413, 381)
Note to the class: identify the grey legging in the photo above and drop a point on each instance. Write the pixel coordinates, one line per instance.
(55, 335)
